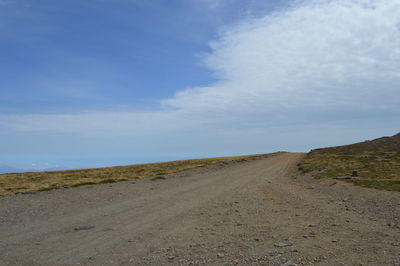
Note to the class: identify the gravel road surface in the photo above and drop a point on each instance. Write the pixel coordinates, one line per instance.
(258, 212)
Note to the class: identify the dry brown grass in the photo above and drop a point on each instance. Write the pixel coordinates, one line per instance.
(40, 181)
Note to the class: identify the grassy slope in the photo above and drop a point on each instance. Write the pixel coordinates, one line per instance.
(21, 182)
(377, 162)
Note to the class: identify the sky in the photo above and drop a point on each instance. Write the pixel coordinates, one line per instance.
(110, 82)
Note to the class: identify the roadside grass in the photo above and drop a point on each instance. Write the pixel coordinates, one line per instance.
(43, 181)
(376, 162)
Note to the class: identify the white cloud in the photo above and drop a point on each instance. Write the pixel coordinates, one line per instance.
(319, 57)
(331, 50)
(319, 63)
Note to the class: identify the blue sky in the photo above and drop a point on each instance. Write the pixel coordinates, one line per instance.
(108, 82)
(72, 55)
(79, 55)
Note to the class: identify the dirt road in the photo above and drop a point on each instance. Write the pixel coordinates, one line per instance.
(250, 213)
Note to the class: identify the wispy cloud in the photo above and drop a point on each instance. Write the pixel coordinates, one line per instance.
(321, 63)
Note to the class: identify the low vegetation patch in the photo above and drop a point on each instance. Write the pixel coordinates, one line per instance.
(42, 181)
(374, 164)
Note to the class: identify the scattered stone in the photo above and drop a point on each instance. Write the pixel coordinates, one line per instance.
(194, 245)
(220, 255)
(282, 244)
(171, 258)
(334, 241)
(289, 263)
(311, 225)
(343, 177)
(158, 177)
(84, 227)
(29, 192)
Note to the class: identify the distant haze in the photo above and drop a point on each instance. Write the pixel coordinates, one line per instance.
(257, 77)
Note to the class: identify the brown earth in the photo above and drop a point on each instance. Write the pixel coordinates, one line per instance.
(249, 213)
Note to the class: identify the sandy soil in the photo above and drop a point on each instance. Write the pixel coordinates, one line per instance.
(251, 213)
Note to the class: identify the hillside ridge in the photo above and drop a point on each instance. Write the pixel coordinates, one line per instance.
(372, 163)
